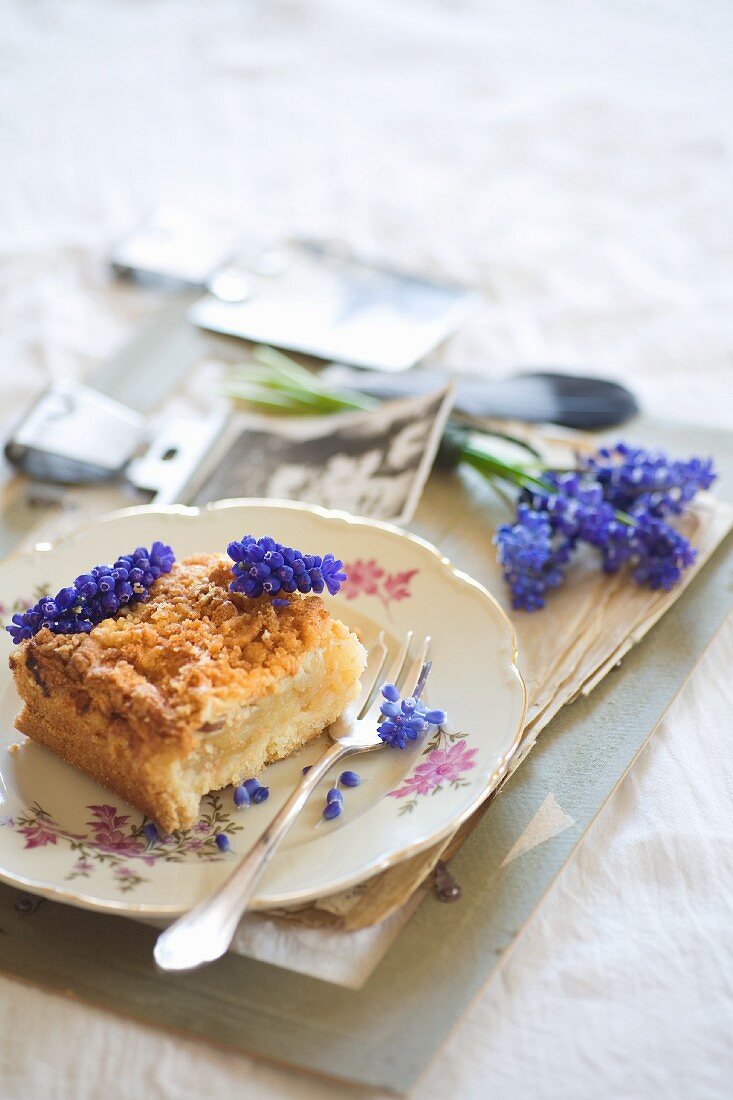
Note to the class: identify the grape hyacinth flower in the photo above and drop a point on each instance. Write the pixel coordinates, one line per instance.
(661, 553)
(615, 502)
(264, 567)
(334, 804)
(96, 595)
(334, 797)
(241, 796)
(531, 563)
(250, 791)
(404, 719)
(637, 481)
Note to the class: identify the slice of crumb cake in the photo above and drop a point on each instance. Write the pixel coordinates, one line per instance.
(198, 688)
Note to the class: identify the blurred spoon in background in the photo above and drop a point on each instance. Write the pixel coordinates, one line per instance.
(573, 401)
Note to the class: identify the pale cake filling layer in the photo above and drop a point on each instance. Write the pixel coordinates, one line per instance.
(243, 739)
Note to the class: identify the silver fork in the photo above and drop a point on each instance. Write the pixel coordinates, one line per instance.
(206, 931)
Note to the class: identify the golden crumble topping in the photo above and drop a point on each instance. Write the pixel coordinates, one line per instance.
(194, 645)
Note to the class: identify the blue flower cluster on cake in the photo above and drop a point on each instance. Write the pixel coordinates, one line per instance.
(264, 567)
(96, 595)
(261, 567)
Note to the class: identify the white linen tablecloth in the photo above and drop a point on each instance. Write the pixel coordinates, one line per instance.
(570, 160)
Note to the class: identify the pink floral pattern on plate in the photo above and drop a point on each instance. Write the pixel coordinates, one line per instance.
(442, 769)
(368, 578)
(114, 840)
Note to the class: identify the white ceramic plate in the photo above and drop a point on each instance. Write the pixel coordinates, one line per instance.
(64, 836)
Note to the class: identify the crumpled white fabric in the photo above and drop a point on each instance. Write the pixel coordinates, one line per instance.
(570, 160)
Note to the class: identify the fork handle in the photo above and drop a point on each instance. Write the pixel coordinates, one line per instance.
(206, 931)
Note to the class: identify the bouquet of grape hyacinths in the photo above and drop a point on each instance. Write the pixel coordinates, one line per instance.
(618, 501)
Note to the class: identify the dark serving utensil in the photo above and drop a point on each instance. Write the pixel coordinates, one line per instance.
(574, 401)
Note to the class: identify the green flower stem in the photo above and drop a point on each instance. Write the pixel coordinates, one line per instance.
(251, 387)
(261, 398)
(491, 466)
(286, 372)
